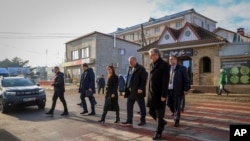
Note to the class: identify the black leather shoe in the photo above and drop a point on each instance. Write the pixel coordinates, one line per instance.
(157, 136)
(91, 114)
(176, 123)
(142, 123)
(64, 114)
(84, 112)
(127, 123)
(117, 121)
(49, 113)
(101, 121)
(80, 104)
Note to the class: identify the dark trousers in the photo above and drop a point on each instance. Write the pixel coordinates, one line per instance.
(174, 104)
(222, 87)
(183, 102)
(84, 104)
(61, 97)
(158, 115)
(130, 108)
(99, 89)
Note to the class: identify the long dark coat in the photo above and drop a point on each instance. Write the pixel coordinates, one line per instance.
(87, 80)
(158, 84)
(138, 81)
(111, 104)
(59, 83)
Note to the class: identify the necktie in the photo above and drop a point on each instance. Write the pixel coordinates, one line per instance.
(171, 75)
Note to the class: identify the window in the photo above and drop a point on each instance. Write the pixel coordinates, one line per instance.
(132, 36)
(167, 36)
(157, 30)
(122, 51)
(85, 52)
(202, 24)
(208, 27)
(187, 33)
(75, 55)
(206, 64)
(178, 25)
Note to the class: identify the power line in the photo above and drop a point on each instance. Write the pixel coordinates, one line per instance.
(27, 35)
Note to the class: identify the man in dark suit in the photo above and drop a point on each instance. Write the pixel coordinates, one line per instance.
(158, 88)
(135, 88)
(87, 83)
(59, 89)
(101, 84)
(179, 85)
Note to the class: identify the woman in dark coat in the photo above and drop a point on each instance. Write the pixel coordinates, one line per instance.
(111, 98)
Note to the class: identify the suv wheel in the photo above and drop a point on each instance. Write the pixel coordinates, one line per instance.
(41, 106)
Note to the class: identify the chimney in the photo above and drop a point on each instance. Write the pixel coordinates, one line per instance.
(240, 31)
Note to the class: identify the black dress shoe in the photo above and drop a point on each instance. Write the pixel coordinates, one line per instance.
(64, 114)
(176, 123)
(84, 112)
(127, 123)
(142, 123)
(157, 136)
(49, 113)
(91, 114)
(117, 121)
(80, 104)
(101, 121)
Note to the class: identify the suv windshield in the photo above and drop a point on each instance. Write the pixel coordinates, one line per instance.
(15, 82)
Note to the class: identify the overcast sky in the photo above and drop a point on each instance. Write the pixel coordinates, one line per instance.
(30, 27)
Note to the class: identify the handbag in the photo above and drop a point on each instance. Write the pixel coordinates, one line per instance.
(88, 93)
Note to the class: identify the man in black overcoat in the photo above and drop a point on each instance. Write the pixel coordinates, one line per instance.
(158, 90)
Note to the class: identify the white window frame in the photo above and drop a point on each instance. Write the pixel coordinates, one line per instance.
(75, 55)
(85, 52)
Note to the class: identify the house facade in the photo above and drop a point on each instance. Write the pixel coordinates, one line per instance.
(235, 59)
(98, 50)
(154, 27)
(197, 49)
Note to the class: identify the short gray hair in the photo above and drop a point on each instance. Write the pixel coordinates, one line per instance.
(155, 51)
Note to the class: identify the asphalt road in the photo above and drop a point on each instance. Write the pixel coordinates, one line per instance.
(206, 118)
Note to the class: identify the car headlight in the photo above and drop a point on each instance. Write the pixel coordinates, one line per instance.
(10, 93)
(41, 91)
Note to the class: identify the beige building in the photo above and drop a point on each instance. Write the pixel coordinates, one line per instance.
(154, 27)
(198, 50)
(98, 50)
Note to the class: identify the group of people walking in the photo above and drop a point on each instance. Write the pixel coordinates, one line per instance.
(167, 85)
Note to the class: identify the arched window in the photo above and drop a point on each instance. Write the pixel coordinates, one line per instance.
(205, 64)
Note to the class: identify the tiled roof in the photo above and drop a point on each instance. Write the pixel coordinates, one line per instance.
(154, 21)
(206, 37)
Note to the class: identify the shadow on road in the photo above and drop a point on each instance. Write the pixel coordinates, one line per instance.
(7, 136)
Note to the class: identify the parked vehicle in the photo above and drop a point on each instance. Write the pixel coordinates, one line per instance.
(4, 72)
(19, 91)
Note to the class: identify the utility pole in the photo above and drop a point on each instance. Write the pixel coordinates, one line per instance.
(143, 42)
